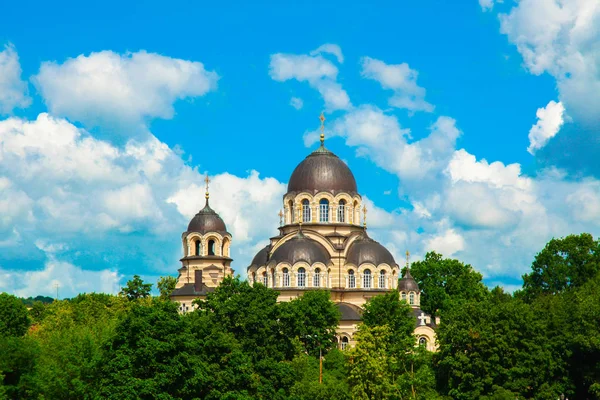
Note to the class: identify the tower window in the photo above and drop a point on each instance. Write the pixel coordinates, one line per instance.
(351, 279)
(211, 247)
(423, 341)
(301, 277)
(265, 279)
(286, 277)
(305, 210)
(317, 278)
(345, 343)
(411, 298)
(291, 212)
(198, 247)
(341, 212)
(367, 278)
(382, 279)
(324, 210)
(403, 296)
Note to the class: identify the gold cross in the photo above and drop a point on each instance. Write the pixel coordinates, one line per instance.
(322, 118)
(407, 257)
(207, 181)
(365, 216)
(280, 217)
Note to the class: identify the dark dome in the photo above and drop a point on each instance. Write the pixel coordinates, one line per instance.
(207, 220)
(301, 248)
(349, 312)
(262, 257)
(366, 250)
(322, 171)
(408, 283)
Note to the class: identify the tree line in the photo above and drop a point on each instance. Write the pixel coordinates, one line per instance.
(540, 342)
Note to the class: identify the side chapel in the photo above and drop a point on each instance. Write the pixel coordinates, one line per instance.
(321, 244)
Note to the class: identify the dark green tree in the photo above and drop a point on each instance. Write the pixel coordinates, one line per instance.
(136, 288)
(562, 264)
(166, 285)
(14, 319)
(18, 359)
(443, 280)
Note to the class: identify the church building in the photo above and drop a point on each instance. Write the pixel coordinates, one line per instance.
(321, 244)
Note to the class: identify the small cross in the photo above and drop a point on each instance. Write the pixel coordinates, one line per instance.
(407, 257)
(422, 318)
(322, 118)
(280, 217)
(207, 182)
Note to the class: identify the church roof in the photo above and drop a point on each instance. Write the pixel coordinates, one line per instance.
(408, 283)
(349, 312)
(207, 220)
(322, 171)
(301, 248)
(189, 289)
(367, 250)
(262, 257)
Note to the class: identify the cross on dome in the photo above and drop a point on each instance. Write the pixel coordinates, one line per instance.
(422, 318)
(207, 181)
(322, 118)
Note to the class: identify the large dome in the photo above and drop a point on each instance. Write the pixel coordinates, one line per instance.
(322, 171)
(207, 220)
(262, 257)
(367, 250)
(301, 248)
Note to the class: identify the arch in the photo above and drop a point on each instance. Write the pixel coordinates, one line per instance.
(317, 277)
(345, 342)
(301, 277)
(225, 247)
(265, 278)
(351, 279)
(381, 284)
(323, 210)
(411, 298)
(367, 279)
(285, 277)
(355, 213)
(423, 341)
(198, 247)
(403, 295)
(210, 248)
(341, 211)
(306, 211)
(253, 278)
(290, 212)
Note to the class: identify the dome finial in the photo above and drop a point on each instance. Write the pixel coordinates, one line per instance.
(365, 216)
(407, 258)
(280, 217)
(322, 118)
(207, 181)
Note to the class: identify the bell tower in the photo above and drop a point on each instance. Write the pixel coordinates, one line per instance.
(206, 256)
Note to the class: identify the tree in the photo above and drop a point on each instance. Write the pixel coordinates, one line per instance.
(136, 288)
(14, 319)
(166, 285)
(313, 319)
(443, 280)
(562, 264)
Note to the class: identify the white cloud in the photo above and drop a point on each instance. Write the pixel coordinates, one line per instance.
(550, 119)
(296, 102)
(561, 38)
(13, 91)
(330, 49)
(319, 72)
(129, 88)
(448, 243)
(486, 5)
(401, 79)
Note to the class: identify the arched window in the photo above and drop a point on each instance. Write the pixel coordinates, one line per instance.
(305, 210)
(254, 277)
(356, 213)
(317, 278)
(411, 298)
(341, 212)
(286, 277)
(382, 279)
(351, 279)
(290, 215)
(345, 343)
(211, 247)
(422, 341)
(198, 247)
(265, 279)
(403, 296)
(324, 210)
(367, 278)
(301, 277)
(225, 248)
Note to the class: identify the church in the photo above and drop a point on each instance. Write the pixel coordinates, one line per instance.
(321, 244)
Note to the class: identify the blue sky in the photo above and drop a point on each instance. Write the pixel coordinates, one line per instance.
(471, 128)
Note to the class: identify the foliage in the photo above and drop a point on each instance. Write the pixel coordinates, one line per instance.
(136, 289)
(166, 285)
(444, 280)
(30, 301)
(14, 319)
(562, 264)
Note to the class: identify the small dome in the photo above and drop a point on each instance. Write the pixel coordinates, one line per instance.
(262, 257)
(349, 312)
(408, 283)
(367, 250)
(322, 171)
(207, 220)
(301, 248)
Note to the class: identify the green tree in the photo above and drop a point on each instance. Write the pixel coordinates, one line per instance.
(166, 285)
(14, 319)
(18, 359)
(444, 280)
(562, 264)
(313, 319)
(136, 288)
(306, 372)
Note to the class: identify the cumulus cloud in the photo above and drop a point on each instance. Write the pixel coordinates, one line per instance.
(13, 90)
(550, 119)
(401, 79)
(329, 48)
(296, 102)
(486, 5)
(561, 38)
(128, 88)
(319, 72)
